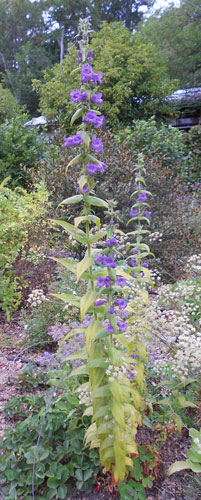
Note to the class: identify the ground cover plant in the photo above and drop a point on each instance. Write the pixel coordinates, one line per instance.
(113, 341)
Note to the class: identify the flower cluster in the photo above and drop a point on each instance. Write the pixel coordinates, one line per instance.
(156, 236)
(116, 372)
(73, 141)
(193, 265)
(36, 297)
(85, 396)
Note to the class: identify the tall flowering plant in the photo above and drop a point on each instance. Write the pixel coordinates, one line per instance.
(112, 359)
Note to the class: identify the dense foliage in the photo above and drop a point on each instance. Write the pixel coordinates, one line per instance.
(20, 148)
(133, 83)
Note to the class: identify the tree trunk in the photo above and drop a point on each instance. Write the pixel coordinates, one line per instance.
(62, 45)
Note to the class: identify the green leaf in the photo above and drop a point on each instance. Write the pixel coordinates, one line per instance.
(83, 265)
(67, 297)
(68, 264)
(79, 474)
(98, 202)
(86, 301)
(87, 474)
(194, 456)
(62, 491)
(74, 161)
(86, 138)
(178, 421)
(53, 482)
(70, 229)
(73, 199)
(80, 370)
(98, 363)
(93, 159)
(97, 237)
(195, 467)
(36, 454)
(76, 115)
(177, 466)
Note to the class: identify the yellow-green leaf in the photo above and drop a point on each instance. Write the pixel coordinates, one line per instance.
(72, 200)
(86, 301)
(74, 161)
(67, 297)
(76, 115)
(83, 265)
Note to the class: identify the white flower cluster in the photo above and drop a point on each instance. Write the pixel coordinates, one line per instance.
(194, 264)
(155, 276)
(156, 236)
(116, 372)
(188, 356)
(85, 396)
(198, 443)
(36, 297)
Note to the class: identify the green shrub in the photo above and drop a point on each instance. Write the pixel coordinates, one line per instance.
(9, 107)
(22, 224)
(193, 144)
(20, 148)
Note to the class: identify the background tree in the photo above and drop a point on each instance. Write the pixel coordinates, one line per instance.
(176, 35)
(133, 84)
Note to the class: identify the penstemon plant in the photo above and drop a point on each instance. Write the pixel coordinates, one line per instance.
(113, 357)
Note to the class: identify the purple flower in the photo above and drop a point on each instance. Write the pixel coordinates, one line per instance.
(120, 281)
(108, 261)
(93, 168)
(96, 98)
(75, 140)
(133, 262)
(135, 252)
(111, 242)
(90, 117)
(98, 259)
(79, 52)
(145, 264)
(97, 145)
(104, 281)
(97, 77)
(84, 190)
(147, 214)
(111, 222)
(121, 303)
(122, 326)
(133, 213)
(86, 73)
(131, 376)
(142, 197)
(110, 328)
(99, 302)
(111, 310)
(77, 96)
(99, 121)
(90, 53)
(87, 320)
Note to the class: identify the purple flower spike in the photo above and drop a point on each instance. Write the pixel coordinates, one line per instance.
(121, 303)
(96, 98)
(145, 264)
(90, 117)
(86, 73)
(147, 214)
(93, 168)
(111, 310)
(77, 96)
(122, 326)
(110, 328)
(108, 262)
(97, 145)
(142, 197)
(99, 302)
(75, 140)
(133, 213)
(104, 282)
(90, 53)
(86, 188)
(97, 77)
(111, 242)
(133, 262)
(120, 281)
(79, 52)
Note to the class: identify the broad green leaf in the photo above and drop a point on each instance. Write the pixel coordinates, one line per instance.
(76, 115)
(80, 370)
(62, 491)
(101, 392)
(194, 456)
(86, 301)
(118, 413)
(121, 272)
(88, 412)
(91, 331)
(194, 433)
(67, 297)
(93, 159)
(194, 466)
(74, 161)
(98, 202)
(177, 466)
(83, 265)
(69, 264)
(97, 237)
(178, 421)
(98, 363)
(116, 391)
(86, 138)
(70, 229)
(73, 199)
(82, 354)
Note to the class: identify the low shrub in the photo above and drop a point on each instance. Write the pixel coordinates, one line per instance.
(23, 230)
